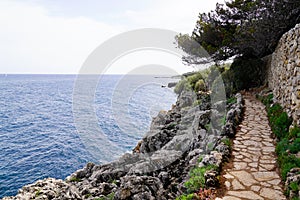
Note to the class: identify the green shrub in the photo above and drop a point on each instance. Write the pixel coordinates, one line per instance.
(193, 79)
(287, 162)
(282, 146)
(231, 100)
(227, 142)
(186, 197)
(197, 179)
(294, 147)
(281, 125)
(197, 102)
(279, 121)
(268, 100)
(75, 179)
(294, 186)
(181, 86)
(200, 86)
(294, 132)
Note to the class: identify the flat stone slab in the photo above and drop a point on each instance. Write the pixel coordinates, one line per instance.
(271, 194)
(244, 177)
(265, 176)
(246, 195)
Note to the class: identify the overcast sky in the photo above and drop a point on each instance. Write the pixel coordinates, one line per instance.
(56, 36)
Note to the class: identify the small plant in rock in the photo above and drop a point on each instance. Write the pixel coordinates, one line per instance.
(231, 100)
(223, 120)
(186, 197)
(193, 79)
(200, 158)
(171, 126)
(200, 86)
(293, 187)
(75, 179)
(38, 193)
(197, 102)
(197, 179)
(227, 142)
(108, 197)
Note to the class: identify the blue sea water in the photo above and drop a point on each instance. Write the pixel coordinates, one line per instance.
(39, 137)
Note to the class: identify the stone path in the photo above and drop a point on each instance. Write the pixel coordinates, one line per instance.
(254, 173)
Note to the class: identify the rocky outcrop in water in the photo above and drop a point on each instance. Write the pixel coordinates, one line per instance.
(160, 163)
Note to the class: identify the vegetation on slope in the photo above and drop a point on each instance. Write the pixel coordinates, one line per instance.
(288, 141)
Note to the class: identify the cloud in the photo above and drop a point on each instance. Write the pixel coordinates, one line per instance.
(176, 15)
(32, 41)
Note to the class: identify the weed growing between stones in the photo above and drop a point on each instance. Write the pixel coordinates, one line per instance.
(196, 184)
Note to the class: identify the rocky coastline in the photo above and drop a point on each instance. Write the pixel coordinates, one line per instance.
(160, 163)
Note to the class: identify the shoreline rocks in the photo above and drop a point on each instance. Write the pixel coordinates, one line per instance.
(161, 161)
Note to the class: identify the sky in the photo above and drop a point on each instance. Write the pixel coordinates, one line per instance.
(57, 36)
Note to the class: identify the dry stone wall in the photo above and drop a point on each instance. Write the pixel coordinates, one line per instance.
(284, 73)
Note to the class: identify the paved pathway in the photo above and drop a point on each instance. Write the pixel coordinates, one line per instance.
(253, 175)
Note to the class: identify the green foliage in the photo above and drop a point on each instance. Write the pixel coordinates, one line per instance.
(282, 146)
(200, 158)
(171, 126)
(279, 121)
(208, 127)
(193, 79)
(197, 102)
(107, 197)
(294, 132)
(223, 120)
(38, 193)
(240, 27)
(200, 86)
(287, 162)
(186, 197)
(75, 179)
(227, 142)
(231, 100)
(281, 125)
(296, 198)
(294, 186)
(288, 141)
(181, 86)
(268, 100)
(294, 147)
(197, 179)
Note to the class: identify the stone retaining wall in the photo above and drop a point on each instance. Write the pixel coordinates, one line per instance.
(284, 73)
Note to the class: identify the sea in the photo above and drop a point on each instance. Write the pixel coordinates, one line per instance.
(52, 125)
